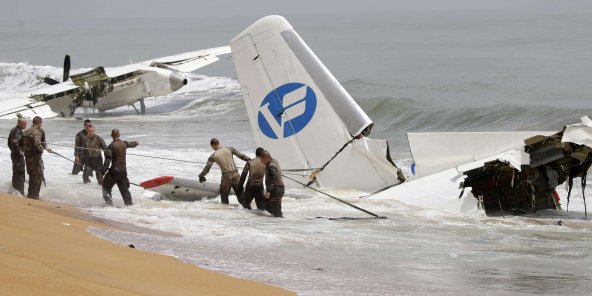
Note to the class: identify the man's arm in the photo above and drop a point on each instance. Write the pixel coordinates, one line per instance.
(244, 174)
(103, 144)
(107, 162)
(43, 143)
(239, 154)
(132, 144)
(206, 169)
(273, 179)
(77, 143)
(38, 141)
(12, 140)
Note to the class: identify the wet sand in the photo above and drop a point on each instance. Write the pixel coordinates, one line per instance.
(45, 250)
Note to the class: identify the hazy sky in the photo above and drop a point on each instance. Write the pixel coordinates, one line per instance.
(105, 31)
(29, 10)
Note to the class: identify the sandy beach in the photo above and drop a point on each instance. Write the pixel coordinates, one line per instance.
(45, 250)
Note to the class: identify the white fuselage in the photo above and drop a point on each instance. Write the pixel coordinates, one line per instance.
(152, 83)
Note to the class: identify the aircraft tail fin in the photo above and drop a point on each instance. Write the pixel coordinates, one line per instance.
(301, 114)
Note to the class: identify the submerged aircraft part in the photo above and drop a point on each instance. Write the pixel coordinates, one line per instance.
(177, 189)
(554, 160)
(301, 114)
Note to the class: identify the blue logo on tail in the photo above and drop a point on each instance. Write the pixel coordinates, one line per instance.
(296, 100)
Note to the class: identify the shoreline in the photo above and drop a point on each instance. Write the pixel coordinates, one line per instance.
(45, 249)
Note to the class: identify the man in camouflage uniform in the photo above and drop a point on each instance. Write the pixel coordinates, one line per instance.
(117, 172)
(274, 184)
(79, 152)
(95, 145)
(33, 144)
(254, 189)
(17, 155)
(222, 156)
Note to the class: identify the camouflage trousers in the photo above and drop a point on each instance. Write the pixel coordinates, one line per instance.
(254, 190)
(230, 180)
(35, 171)
(275, 202)
(18, 173)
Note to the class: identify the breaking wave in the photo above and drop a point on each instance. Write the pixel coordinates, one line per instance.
(470, 106)
(15, 77)
(409, 115)
(215, 98)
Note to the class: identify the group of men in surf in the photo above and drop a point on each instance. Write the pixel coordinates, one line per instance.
(268, 197)
(113, 170)
(27, 147)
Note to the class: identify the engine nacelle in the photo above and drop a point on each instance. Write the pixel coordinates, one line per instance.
(162, 82)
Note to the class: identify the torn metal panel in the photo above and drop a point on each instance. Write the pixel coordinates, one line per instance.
(580, 133)
(501, 186)
(435, 152)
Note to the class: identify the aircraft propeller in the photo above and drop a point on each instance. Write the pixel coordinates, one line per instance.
(66, 68)
(50, 81)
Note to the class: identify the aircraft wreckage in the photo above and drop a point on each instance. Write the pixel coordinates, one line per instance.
(528, 183)
(302, 115)
(108, 88)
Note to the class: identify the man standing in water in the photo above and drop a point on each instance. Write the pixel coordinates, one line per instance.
(33, 144)
(222, 156)
(254, 189)
(79, 153)
(117, 173)
(17, 155)
(274, 184)
(95, 145)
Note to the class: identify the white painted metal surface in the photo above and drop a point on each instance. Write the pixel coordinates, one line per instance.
(436, 152)
(146, 79)
(301, 114)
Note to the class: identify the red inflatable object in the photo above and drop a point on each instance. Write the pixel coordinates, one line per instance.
(156, 182)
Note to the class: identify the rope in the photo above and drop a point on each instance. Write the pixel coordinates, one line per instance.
(583, 179)
(149, 156)
(57, 154)
(167, 158)
(133, 154)
(379, 191)
(336, 198)
(301, 170)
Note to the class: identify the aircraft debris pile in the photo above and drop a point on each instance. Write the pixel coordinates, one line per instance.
(500, 187)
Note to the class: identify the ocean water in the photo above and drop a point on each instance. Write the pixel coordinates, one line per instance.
(421, 71)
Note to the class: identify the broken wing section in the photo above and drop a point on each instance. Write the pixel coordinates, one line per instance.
(580, 133)
(435, 152)
(443, 161)
(45, 102)
(29, 108)
(188, 61)
(301, 114)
